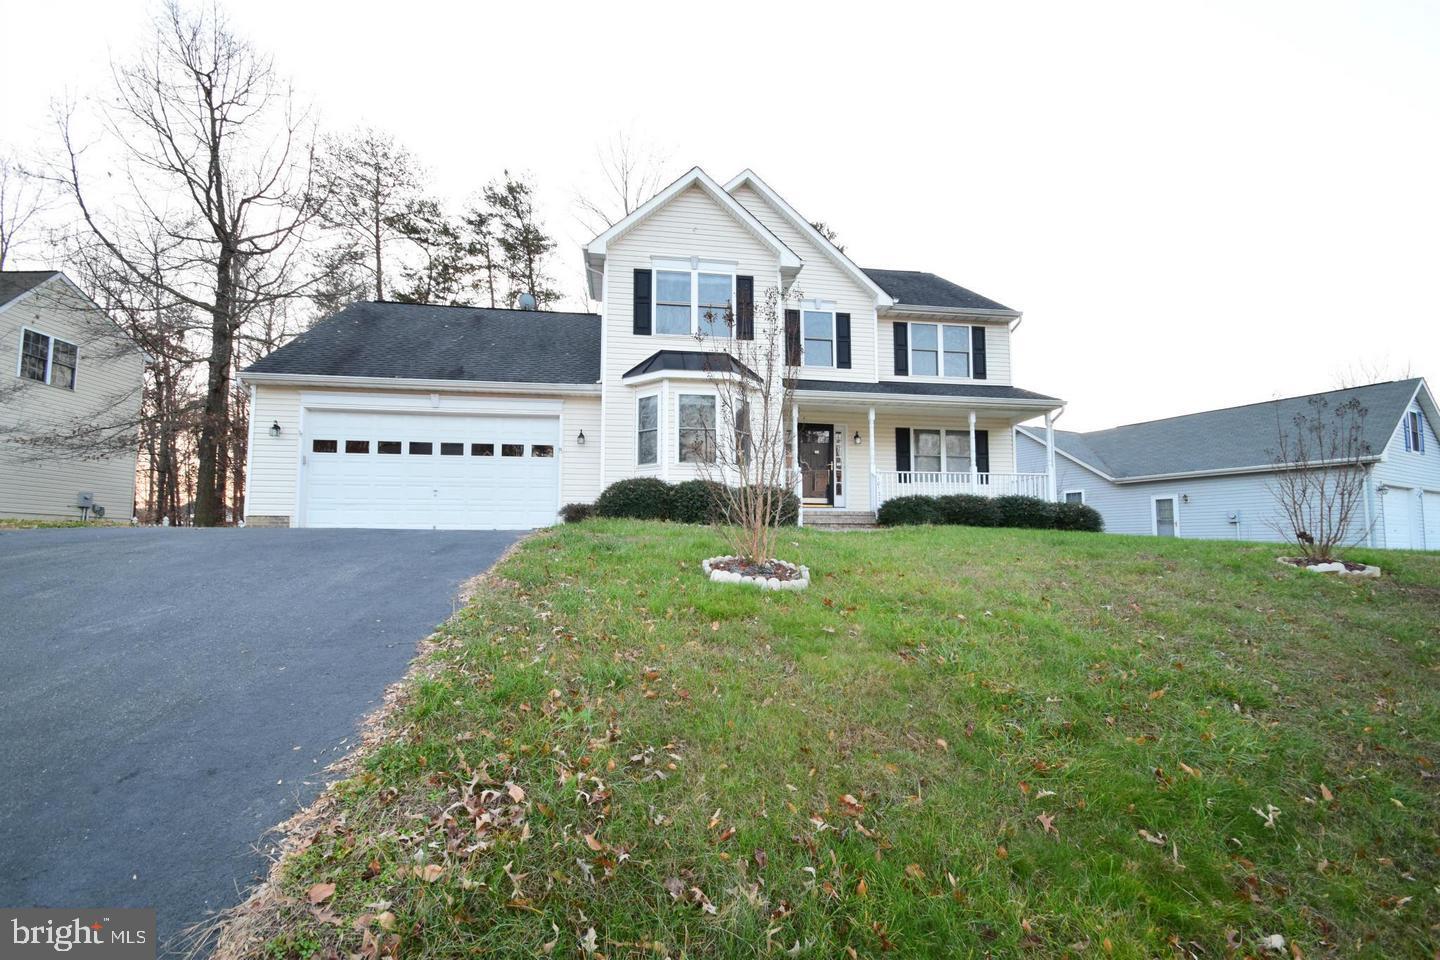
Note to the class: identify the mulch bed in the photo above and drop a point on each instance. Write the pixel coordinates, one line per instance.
(1312, 562)
(778, 569)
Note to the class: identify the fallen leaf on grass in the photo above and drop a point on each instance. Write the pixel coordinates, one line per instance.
(320, 892)
(432, 872)
(914, 871)
(592, 843)
(861, 888)
(1156, 838)
(1189, 769)
(1048, 822)
(940, 742)
(516, 794)
(588, 941)
(1325, 793)
(1157, 694)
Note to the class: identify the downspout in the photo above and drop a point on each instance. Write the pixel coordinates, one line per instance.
(1369, 523)
(249, 454)
(795, 461)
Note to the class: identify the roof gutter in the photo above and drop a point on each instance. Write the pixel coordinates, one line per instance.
(920, 398)
(920, 310)
(415, 383)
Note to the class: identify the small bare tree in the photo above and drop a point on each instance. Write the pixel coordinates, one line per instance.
(21, 199)
(745, 454)
(1319, 483)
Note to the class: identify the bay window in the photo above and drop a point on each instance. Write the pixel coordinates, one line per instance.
(647, 430)
(697, 428)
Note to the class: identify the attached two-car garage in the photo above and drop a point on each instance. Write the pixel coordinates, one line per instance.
(439, 470)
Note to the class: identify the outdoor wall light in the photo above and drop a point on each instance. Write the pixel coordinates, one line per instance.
(275, 429)
(581, 438)
(1184, 498)
(857, 438)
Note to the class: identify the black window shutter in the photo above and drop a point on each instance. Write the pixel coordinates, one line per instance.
(792, 338)
(902, 350)
(744, 308)
(902, 449)
(642, 302)
(982, 451)
(842, 340)
(977, 352)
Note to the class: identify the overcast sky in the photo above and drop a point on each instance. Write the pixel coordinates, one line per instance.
(1195, 205)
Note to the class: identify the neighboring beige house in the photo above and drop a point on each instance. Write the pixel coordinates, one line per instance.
(419, 416)
(70, 368)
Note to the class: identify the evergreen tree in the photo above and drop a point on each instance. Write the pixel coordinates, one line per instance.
(524, 244)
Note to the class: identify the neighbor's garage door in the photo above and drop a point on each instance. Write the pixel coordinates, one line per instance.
(444, 471)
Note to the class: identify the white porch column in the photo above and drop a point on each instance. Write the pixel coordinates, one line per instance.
(795, 462)
(1050, 458)
(974, 466)
(874, 478)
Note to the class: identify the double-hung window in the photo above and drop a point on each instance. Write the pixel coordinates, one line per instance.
(940, 451)
(647, 430)
(693, 302)
(46, 359)
(697, 428)
(1414, 432)
(940, 350)
(819, 349)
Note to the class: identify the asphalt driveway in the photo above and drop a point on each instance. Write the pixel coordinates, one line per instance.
(166, 696)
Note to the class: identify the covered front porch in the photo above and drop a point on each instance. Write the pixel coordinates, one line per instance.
(855, 453)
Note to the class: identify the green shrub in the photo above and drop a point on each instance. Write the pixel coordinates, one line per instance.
(696, 501)
(1026, 512)
(1077, 516)
(576, 512)
(968, 510)
(639, 498)
(907, 511)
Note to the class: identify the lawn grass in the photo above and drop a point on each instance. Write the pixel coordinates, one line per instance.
(958, 742)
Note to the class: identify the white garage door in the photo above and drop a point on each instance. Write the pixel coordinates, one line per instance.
(1430, 503)
(1397, 517)
(429, 471)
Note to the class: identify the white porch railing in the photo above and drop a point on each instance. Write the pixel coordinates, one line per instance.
(924, 483)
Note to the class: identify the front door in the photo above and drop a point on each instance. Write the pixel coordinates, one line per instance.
(817, 458)
(1164, 516)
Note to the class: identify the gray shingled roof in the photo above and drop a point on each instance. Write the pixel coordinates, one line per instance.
(416, 341)
(1233, 438)
(695, 361)
(15, 282)
(916, 288)
(912, 388)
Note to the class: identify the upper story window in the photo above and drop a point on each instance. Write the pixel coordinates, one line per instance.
(691, 302)
(939, 350)
(47, 359)
(1415, 432)
(819, 334)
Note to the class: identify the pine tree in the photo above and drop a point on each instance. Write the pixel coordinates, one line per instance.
(523, 242)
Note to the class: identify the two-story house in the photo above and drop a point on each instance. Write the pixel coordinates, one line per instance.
(69, 404)
(419, 416)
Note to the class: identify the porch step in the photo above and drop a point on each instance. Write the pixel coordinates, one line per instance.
(821, 518)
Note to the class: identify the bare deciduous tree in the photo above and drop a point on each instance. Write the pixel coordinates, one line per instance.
(1319, 481)
(633, 171)
(213, 157)
(746, 452)
(21, 198)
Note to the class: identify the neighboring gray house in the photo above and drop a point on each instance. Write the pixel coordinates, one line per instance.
(1209, 475)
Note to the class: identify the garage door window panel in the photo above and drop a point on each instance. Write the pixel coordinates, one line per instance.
(388, 446)
(452, 449)
(542, 450)
(482, 449)
(512, 449)
(357, 446)
(421, 448)
(324, 446)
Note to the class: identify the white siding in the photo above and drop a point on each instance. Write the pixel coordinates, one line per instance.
(823, 279)
(1410, 474)
(275, 461)
(108, 385)
(692, 224)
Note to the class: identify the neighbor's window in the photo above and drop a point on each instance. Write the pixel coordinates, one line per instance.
(47, 360)
(939, 349)
(1415, 432)
(697, 429)
(647, 430)
(1074, 496)
(324, 446)
(512, 449)
(357, 446)
(482, 449)
(819, 350)
(541, 450)
(691, 302)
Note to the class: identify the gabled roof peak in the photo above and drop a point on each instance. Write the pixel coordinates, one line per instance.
(596, 249)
